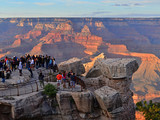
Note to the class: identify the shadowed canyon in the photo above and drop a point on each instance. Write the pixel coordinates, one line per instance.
(65, 38)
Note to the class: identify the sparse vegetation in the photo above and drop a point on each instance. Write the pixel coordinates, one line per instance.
(150, 110)
(50, 90)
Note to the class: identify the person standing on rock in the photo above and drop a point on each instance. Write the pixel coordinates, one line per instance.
(59, 78)
(20, 68)
(41, 80)
(30, 70)
(64, 79)
(69, 78)
(73, 80)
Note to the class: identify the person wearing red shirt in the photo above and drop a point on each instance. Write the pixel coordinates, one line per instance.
(59, 78)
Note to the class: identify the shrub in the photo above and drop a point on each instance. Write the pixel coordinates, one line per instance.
(151, 110)
(50, 90)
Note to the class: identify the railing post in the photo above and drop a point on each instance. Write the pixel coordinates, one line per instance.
(32, 87)
(17, 90)
(37, 86)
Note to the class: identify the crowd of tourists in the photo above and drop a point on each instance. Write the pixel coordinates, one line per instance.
(28, 61)
(8, 65)
(63, 78)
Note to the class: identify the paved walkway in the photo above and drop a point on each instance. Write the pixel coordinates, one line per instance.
(21, 85)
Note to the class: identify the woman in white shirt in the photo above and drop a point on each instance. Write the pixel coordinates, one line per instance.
(20, 68)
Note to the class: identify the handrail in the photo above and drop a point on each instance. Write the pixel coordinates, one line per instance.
(31, 86)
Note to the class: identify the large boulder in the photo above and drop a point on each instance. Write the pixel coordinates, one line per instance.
(117, 68)
(66, 105)
(108, 98)
(73, 64)
(83, 101)
(6, 111)
(30, 105)
(94, 72)
(95, 83)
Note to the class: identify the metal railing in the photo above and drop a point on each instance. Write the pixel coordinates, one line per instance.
(20, 88)
(31, 86)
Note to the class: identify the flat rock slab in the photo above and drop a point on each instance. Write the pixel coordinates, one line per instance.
(73, 64)
(117, 68)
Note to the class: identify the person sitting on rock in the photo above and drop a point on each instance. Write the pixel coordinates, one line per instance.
(59, 78)
(41, 80)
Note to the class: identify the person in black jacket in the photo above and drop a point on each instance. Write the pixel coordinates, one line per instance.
(3, 77)
(41, 80)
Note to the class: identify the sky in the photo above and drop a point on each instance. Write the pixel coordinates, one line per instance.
(79, 8)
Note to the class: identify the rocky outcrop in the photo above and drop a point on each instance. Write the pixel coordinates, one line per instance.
(83, 101)
(107, 95)
(117, 74)
(110, 102)
(95, 83)
(146, 78)
(73, 64)
(6, 111)
(67, 106)
(117, 68)
(89, 65)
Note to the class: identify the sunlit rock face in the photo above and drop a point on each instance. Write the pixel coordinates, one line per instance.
(146, 78)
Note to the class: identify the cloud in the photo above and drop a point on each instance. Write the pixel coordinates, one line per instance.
(43, 4)
(85, 2)
(128, 5)
(121, 4)
(128, 2)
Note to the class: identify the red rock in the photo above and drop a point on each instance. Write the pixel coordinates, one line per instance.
(17, 43)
